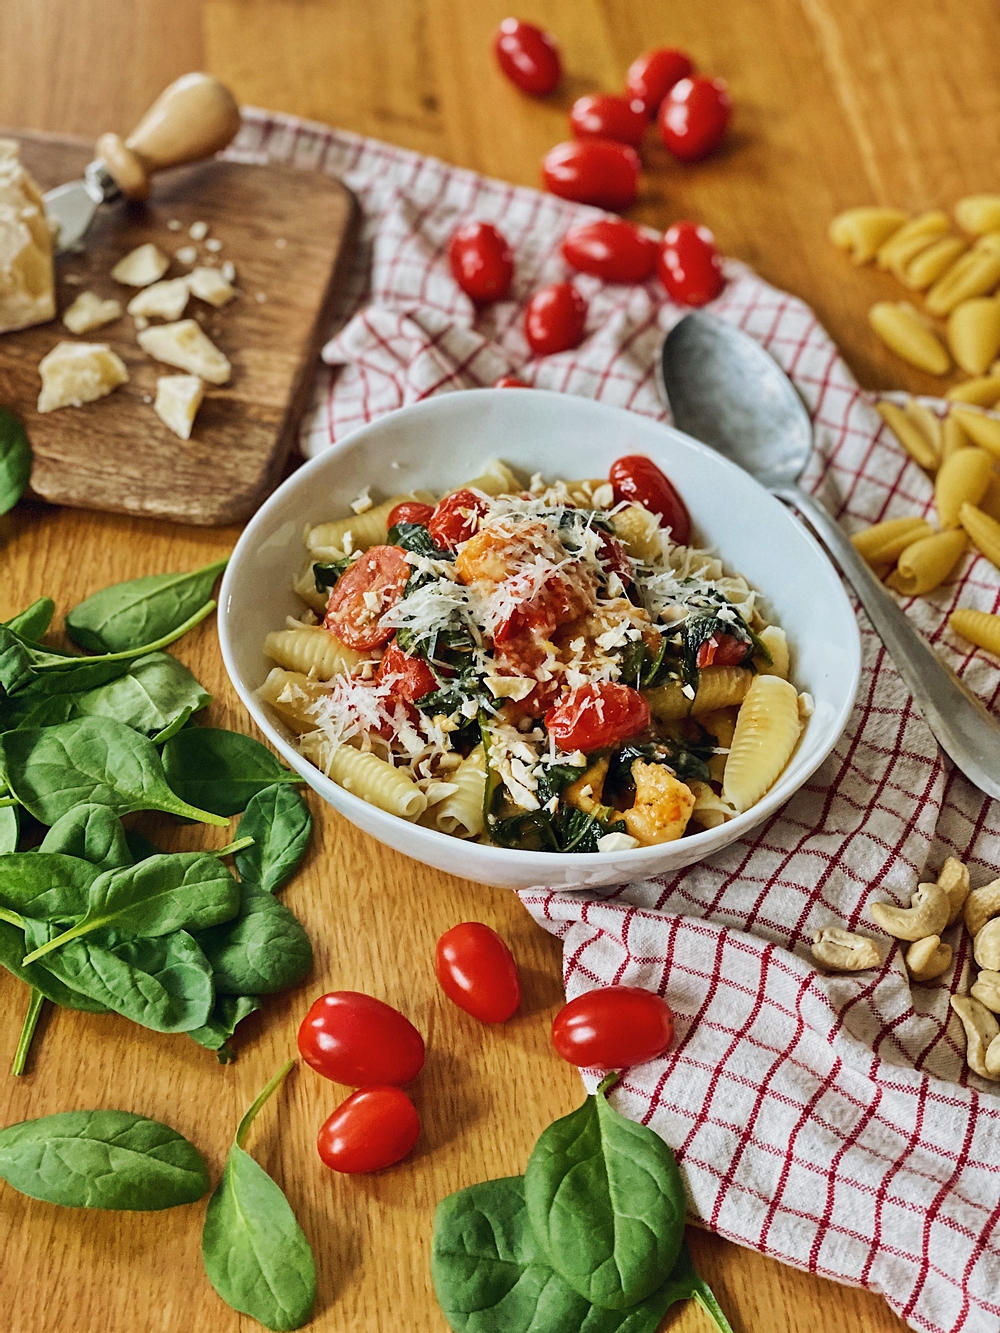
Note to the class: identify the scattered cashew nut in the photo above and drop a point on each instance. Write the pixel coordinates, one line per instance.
(981, 1032)
(954, 879)
(986, 989)
(993, 1058)
(980, 905)
(840, 951)
(927, 914)
(928, 958)
(986, 946)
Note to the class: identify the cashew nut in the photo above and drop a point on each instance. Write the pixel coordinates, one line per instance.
(986, 989)
(954, 879)
(980, 905)
(928, 958)
(840, 951)
(993, 1058)
(981, 1030)
(986, 946)
(926, 915)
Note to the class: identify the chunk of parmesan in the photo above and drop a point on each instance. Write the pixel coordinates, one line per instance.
(89, 311)
(210, 285)
(141, 266)
(184, 345)
(77, 373)
(163, 300)
(178, 398)
(27, 281)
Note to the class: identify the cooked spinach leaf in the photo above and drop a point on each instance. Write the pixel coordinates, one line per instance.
(280, 824)
(327, 574)
(15, 460)
(126, 615)
(220, 770)
(10, 828)
(416, 538)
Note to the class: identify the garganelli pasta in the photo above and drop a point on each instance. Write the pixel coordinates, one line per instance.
(544, 666)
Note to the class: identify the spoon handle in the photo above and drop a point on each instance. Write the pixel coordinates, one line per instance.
(962, 726)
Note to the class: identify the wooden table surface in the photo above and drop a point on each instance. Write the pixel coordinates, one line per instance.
(838, 102)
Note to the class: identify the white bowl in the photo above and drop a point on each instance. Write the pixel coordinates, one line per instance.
(445, 440)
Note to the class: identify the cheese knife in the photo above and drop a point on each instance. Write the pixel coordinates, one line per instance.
(192, 119)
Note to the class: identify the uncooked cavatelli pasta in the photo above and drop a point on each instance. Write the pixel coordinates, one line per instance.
(767, 731)
(905, 332)
(979, 627)
(984, 532)
(914, 440)
(883, 543)
(311, 650)
(927, 563)
(982, 392)
(974, 333)
(864, 230)
(961, 479)
(981, 429)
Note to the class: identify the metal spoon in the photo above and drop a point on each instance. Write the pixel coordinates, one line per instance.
(725, 390)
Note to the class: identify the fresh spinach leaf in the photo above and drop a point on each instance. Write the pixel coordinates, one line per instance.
(175, 891)
(279, 822)
(51, 769)
(684, 1283)
(172, 728)
(154, 694)
(102, 1159)
(74, 676)
(12, 950)
(126, 615)
(262, 950)
(619, 1176)
(34, 620)
(10, 828)
(15, 460)
(140, 846)
(46, 884)
(91, 832)
(229, 1011)
(221, 770)
(254, 1251)
(416, 538)
(16, 667)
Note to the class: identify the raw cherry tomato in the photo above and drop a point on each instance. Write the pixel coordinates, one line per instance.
(593, 171)
(652, 75)
(601, 116)
(613, 1027)
(374, 1128)
(722, 650)
(596, 716)
(455, 519)
(611, 249)
(689, 265)
(382, 570)
(693, 117)
(639, 480)
(528, 56)
(476, 971)
(555, 319)
(410, 511)
(481, 261)
(355, 1039)
(412, 678)
(510, 382)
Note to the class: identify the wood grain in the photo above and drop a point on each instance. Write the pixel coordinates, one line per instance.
(286, 231)
(837, 104)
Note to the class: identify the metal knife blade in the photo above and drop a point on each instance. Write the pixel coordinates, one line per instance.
(72, 206)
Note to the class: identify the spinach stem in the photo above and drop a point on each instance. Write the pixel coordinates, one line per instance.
(12, 917)
(27, 1031)
(9, 800)
(236, 846)
(73, 933)
(248, 1119)
(130, 653)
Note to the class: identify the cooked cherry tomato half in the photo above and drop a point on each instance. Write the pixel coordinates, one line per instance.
(722, 650)
(411, 677)
(383, 571)
(374, 1128)
(651, 76)
(689, 265)
(613, 1027)
(596, 716)
(602, 116)
(693, 117)
(611, 249)
(481, 261)
(555, 319)
(593, 171)
(613, 557)
(355, 1039)
(528, 56)
(510, 382)
(410, 511)
(456, 519)
(638, 479)
(476, 971)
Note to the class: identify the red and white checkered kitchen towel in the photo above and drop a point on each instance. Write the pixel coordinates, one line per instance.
(827, 1121)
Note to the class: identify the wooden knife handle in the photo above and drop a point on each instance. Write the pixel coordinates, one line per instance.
(193, 118)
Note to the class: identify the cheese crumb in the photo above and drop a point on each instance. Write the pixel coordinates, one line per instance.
(185, 345)
(141, 266)
(198, 231)
(363, 503)
(616, 842)
(210, 285)
(187, 254)
(77, 373)
(164, 300)
(214, 244)
(228, 271)
(89, 312)
(174, 225)
(178, 398)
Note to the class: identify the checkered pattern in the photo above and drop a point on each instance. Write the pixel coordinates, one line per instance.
(827, 1121)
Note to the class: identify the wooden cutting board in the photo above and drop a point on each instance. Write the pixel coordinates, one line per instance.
(286, 232)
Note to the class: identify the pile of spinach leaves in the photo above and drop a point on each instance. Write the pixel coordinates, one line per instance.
(93, 916)
(590, 1237)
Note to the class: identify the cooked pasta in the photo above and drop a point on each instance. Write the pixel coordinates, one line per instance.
(721, 724)
(306, 587)
(496, 478)
(961, 479)
(767, 731)
(710, 810)
(718, 687)
(774, 640)
(981, 429)
(927, 563)
(905, 332)
(311, 650)
(883, 543)
(461, 813)
(910, 436)
(293, 697)
(975, 274)
(356, 533)
(982, 392)
(984, 532)
(979, 627)
(863, 230)
(639, 531)
(365, 775)
(974, 333)
(977, 213)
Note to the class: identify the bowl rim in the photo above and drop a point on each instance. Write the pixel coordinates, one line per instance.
(637, 856)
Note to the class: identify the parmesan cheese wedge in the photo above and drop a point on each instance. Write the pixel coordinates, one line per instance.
(208, 284)
(184, 345)
(77, 373)
(141, 266)
(27, 281)
(89, 311)
(163, 300)
(178, 398)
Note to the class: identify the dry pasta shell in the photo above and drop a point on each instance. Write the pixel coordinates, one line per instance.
(911, 238)
(927, 563)
(767, 731)
(903, 331)
(978, 213)
(929, 265)
(974, 274)
(312, 650)
(910, 436)
(974, 333)
(884, 542)
(979, 627)
(962, 478)
(926, 421)
(863, 230)
(953, 437)
(984, 532)
(982, 392)
(990, 503)
(982, 430)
